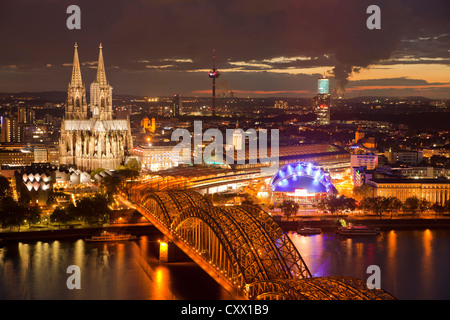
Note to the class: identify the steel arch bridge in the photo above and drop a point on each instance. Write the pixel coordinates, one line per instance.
(243, 249)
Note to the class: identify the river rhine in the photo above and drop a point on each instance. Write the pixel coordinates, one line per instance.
(414, 264)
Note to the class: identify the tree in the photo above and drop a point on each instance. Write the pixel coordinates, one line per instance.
(365, 205)
(127, 174)
(5, 187)
(411, 205)
(363, 191)
(393, 204)
(32, 214)
(289, 207)
(438, 209)
(25, 197)
(93, 210)
(61, 215)
(6, 203)
(134, 164)
(12, 213)
(337, 204)
(111, 185)
(96, 171)
(376, 205)
(424, 205)
(348, 203)
(447, 206)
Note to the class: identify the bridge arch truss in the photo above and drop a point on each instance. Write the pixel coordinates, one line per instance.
(246, 248)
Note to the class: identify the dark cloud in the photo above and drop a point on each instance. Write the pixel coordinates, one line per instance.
(332, 32)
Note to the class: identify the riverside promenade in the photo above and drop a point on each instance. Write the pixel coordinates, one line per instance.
(330, 222)
(67, 232)
(325, 222)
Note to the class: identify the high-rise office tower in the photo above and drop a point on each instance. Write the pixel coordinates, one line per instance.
(322, 101)
(22, 115)
(10, 130)
(30, 116)
(177, 105)
(26, 115)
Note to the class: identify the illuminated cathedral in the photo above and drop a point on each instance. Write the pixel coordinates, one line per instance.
(96, 140)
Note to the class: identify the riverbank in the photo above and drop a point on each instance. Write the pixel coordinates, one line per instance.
(331, 224)
(328, 224)
(76, 232)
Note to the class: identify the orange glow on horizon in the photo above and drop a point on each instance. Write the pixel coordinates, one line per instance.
(256, 91)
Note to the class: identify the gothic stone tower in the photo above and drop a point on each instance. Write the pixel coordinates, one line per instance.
(76, 106)
(101, 93)
(99, 141)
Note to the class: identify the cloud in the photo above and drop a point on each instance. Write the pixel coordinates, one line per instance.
(247, 35)
(159, 67)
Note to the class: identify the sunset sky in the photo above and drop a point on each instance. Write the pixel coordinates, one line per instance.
(263, 47)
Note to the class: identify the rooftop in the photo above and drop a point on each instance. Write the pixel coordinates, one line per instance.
(415, 181)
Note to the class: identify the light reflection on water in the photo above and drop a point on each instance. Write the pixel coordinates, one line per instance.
(414, 264)
(123, 270)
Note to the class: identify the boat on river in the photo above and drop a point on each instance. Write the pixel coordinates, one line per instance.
(352, 230)
(110, 236)
(348, 229)
(308, 231)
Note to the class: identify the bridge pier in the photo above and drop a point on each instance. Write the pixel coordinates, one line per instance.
(169, 252)
(164, 251)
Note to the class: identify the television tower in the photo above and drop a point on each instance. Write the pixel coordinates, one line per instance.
(214, 74)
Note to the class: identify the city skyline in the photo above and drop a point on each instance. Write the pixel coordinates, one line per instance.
(263, 48)
(320, 172)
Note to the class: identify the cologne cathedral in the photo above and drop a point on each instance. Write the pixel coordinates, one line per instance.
(94, 140)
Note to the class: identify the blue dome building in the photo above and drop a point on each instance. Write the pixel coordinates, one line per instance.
(302, 182)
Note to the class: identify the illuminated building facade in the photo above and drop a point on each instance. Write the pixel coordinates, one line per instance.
(148, 125)
(40, 154)
(16, 157)
(412, 158)
(370, 161)
(281, 104)
(322, 102)
(155, 158)
(99, 141)
(53, 155)
(10, 130)
(433, 190)
(35, 182)
(359, 134)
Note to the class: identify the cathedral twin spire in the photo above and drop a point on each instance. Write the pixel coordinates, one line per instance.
(76, 71)
(101, 75)
(76, 80)
(101, 92)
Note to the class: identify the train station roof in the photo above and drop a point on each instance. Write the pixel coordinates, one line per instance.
(191, 172)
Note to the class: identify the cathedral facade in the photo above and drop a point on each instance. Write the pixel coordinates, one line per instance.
(95, 140)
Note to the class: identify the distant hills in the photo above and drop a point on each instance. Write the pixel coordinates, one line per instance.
(47, 96)
(60, 96)
(381, 98)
